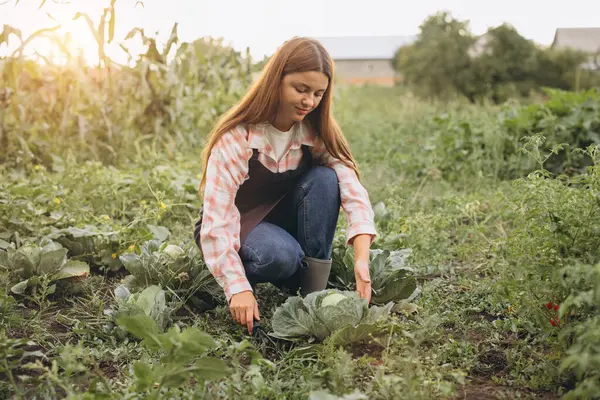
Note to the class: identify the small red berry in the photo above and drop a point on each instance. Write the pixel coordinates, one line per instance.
(556, 307)
(552, 322)
(549, 305)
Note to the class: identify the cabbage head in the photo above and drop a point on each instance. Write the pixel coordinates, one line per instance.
(341, 316)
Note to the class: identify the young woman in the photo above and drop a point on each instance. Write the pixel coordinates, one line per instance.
(276, 169)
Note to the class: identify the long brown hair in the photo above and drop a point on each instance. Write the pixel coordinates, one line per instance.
(260, 103)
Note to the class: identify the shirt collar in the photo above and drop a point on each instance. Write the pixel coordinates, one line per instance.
(302, 131)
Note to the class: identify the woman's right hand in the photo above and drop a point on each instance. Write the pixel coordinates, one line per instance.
(244, 309)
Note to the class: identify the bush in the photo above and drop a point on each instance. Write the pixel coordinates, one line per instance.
(569, 120)
(448, 60)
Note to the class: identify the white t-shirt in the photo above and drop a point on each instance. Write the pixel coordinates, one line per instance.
(279, 140)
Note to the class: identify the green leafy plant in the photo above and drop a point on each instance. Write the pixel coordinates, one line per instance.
(151, 302)
(182, 356)
(583, 359)
(550, 261)
(32, 263)
(568, 121)
(13, 354)
(391, 279)
(341, 316)
(74, 368)
(581, 310)
(91, 245)
(169, 266)
(102, 111)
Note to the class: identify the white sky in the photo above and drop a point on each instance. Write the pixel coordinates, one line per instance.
(263, 25)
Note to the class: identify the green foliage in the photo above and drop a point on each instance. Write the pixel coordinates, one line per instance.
(506, 66)
(437, 61)
(150, 302)
(112, 113)
(488, 253)
(583, 358)
(170, 266)
(579, 314)
(461, 144)
(567, 120)
(89, 244)
(557, 68)
(47, 262)
(446, 60)
(316, 316)
(496, 204)
(13, 353)
(391, 279)
(551, 257)
(181, 360)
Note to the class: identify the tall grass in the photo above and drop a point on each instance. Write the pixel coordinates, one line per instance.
(167, 99)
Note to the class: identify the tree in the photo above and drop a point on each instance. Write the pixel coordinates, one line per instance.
(437, 63)
(506, 66)
(562, 68)
(446, 59)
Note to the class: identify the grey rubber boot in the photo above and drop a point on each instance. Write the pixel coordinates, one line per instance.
(314, 278)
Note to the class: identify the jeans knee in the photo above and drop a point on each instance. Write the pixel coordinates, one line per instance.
(318, 207)
(275, 260)
(326, 177)
(321, 184)
(289, 260)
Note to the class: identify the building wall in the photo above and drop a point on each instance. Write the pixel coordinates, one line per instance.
(358, 72)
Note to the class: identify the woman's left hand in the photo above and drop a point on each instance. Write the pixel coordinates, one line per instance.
(363, 279)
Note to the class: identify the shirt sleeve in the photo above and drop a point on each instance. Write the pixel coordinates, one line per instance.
(220, 229)
(354, 197)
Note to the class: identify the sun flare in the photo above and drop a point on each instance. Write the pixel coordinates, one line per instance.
(79, 40)
(65, 38)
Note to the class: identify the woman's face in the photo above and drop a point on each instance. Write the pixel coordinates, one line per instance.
(301, 93)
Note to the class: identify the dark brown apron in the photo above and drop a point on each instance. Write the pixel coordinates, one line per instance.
(261, 192)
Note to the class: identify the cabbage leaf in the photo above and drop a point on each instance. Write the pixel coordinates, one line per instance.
(391, 279)
(349, 320)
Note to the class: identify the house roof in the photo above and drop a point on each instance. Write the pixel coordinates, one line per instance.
(364, 47)
(585, 39)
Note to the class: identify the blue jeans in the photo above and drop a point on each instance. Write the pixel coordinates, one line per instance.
(302, 224)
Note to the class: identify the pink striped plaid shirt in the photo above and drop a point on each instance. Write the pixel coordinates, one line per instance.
(227, 170)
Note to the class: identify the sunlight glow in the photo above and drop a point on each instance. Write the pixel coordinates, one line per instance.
(79, 40)
(74, 39)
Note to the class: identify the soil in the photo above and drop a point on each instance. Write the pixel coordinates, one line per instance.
(110, 370)
(490, 362)
(371, 349)
(486, 389)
